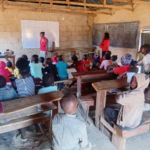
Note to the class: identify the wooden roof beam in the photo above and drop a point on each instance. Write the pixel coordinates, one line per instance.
(82, 4)
(33, 8)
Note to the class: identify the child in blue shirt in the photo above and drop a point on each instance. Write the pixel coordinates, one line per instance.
(36, 67)
(62, 70)
(48, 81)
(6, 93)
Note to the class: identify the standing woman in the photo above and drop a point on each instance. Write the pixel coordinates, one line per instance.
(105, 43)
(43, 45)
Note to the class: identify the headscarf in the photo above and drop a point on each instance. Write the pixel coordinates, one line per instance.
(126, 59)
(2, 65)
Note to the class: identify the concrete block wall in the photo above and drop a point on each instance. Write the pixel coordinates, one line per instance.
(74, 30)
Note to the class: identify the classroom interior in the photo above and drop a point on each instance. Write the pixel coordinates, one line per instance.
(77, 19)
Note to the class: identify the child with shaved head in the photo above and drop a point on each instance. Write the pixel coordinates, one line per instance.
(69, 133)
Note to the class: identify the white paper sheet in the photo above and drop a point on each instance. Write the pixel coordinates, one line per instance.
(31, 33)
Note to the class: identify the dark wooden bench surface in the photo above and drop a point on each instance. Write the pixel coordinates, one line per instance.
(23, 112)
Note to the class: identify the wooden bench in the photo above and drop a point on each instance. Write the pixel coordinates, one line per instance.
(101, 88)
(119, 137)
(23, 112)
(90, 77)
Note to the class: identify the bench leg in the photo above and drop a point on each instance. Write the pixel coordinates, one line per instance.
(79, 90)
(117, 140)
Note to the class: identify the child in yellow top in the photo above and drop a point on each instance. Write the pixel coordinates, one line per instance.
(10, 67)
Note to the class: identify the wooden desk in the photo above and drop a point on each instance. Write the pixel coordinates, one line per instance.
(66, 50)
(91, 76)
(23, 112)
(101, 88)
(9, 58)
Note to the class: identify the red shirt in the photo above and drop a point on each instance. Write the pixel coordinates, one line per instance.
(87, 62)
(43, 44)
(80, 67)
(105, 45)
(101, 59)
(121, 70)
(4, 72)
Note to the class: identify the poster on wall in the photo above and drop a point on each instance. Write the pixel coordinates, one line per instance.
(31, 33)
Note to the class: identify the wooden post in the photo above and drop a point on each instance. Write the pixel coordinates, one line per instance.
(117, 139)
(79, 91)
(100, 106)
(2, 5)
(55, 111)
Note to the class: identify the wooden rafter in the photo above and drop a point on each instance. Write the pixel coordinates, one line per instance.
(133, 2)
(102, 1)
(46, 8)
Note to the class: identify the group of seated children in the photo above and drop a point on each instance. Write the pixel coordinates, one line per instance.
(68, 131)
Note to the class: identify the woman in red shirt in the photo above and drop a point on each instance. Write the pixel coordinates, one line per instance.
(105, 43)
(43, 45)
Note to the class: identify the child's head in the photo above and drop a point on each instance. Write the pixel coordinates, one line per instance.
(23, 66)
(139, 81)
(59, 58)
(69, 104)
(55, 59)
(2, 82)
(145, 49)
(108, 52)
(41, 59)
(48, 80)
(107, 57)
(9, 64)
(35, 59)
(25, 57)
(126, 60)
(42, 34)
(114, 57)
(74, 58)
(133, 83)
(85, 57)
(48, 61)
(106, 36)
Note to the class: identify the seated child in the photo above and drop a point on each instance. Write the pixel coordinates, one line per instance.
(48, 84)
(25, 57)
(106, 62)
(41, 59)
(78, 64)
(51, 68)
(62, 71)
(125, 62)
(55, 60)
(36, 67)
(4, 72)
(16, 71)
(114, 58)
(5, 92)
(69, 133)
(132, 102)
(146, 60)
(86, 62)
(96, 61)
(25, 85)
(10, 67)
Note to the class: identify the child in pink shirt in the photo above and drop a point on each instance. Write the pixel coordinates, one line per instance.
(106, 62)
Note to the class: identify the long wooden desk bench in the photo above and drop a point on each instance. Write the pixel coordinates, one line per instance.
(90, 77)
(22, 112)
(101, 88)
(118, 136)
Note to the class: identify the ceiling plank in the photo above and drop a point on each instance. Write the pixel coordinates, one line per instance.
(33, 8)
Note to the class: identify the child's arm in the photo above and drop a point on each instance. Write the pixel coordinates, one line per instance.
(84, 138)
(125, 98)
(102, 65)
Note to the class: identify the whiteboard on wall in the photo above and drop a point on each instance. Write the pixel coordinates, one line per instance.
(31, 33)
